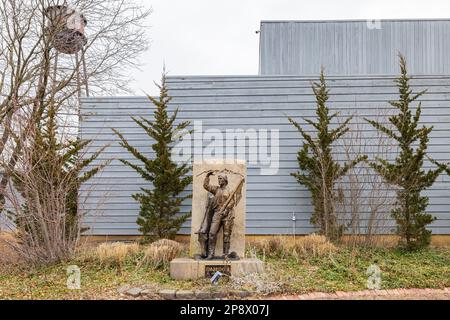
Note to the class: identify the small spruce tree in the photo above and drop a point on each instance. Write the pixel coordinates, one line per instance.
(407, 170)
(159, 215)
(319, 172)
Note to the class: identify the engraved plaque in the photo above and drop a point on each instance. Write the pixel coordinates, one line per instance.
(210, 270)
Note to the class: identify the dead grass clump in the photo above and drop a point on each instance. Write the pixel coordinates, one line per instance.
(160, 253)
(273, 246)
(313, 245)
(114, 254)
(265, 283)
(8, 257)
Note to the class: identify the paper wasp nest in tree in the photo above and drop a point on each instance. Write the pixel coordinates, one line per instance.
(66, 27)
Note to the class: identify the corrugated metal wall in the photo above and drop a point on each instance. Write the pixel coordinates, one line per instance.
(354, 47)
(258, 103)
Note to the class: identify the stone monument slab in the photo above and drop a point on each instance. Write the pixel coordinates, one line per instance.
(218, 224)
(235, 172)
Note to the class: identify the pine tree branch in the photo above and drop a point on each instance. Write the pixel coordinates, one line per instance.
(383, 129)
(124, 143)
(350, 165)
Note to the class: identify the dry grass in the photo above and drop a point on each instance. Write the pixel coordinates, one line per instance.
(313, 245)
(114, 254)
(117, 254)
(264, 283)
(310, 246)
(277, 246)
(160, 253)
(8, 257)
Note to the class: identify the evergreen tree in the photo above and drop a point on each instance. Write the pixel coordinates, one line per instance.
(407, 170)
(319, 172)
(160, 206)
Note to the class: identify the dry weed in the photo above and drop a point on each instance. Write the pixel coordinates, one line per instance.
(114, 254)
(313, 246)
(160, 253)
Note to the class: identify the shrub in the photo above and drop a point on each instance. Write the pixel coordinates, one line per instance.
(313, 245)
(114, 254)
(308, 246)
(160, 253)
(319, 171)
(273, 246)
(47, 175)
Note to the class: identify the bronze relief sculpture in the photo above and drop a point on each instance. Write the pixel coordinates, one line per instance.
(219, 214)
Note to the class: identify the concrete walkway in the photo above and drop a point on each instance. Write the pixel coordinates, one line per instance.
(395, 294)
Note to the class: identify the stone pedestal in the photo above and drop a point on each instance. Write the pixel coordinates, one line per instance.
(190, 269)
(199, 201)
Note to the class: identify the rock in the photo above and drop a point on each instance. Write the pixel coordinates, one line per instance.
(167, 294)
(240, 294)
(134, 292)
(202, 295)
(147, 292)
(184, 295)
(151, 295)
(219, 295)
(123, 289)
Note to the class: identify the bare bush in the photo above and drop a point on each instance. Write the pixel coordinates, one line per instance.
(365, 199)
(43, 192)
(264, 283)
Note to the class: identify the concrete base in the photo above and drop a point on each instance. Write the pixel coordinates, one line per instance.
(190, 269)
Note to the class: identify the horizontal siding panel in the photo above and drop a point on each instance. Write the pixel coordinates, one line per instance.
(301, 217)
(256, 103)
(352, 47)
(104, 108)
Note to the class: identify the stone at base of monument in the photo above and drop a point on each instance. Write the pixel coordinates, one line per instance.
(190, 269)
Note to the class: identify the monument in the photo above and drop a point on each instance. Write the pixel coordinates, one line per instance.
(218, 223)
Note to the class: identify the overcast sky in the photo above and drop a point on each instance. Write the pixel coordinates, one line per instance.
(210, 37)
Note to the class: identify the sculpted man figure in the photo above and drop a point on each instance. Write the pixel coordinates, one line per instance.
(219, 214)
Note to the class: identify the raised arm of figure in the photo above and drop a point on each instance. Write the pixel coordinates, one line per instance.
(208, 186)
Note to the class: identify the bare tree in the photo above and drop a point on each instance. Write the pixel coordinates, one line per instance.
(34, 76)
(40, 88)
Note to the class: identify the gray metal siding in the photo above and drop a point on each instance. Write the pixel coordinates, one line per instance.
(251, 102)
(11, 195)
(351, 47)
